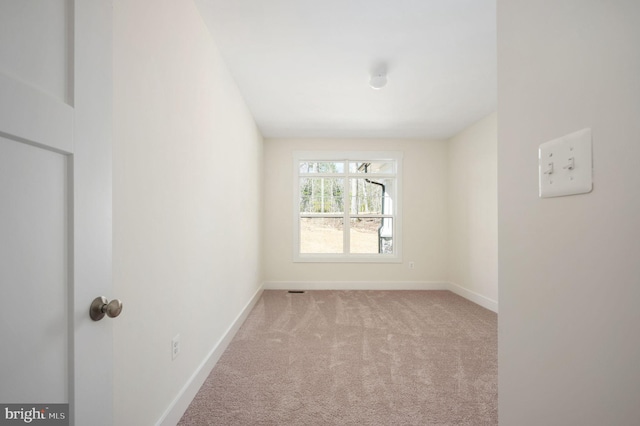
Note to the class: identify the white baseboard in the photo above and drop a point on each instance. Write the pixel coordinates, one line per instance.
(174, 413)
(476, 298)
(355, 285)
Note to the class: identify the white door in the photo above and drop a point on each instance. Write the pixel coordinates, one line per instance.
(55, 205)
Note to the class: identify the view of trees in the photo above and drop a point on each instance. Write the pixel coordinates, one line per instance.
(326, 194)
(321, 195)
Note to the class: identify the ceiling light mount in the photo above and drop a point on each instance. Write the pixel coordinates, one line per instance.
(378, 77)
(378, 81)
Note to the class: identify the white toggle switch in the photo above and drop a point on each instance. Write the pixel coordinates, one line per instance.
(549, 170)
(573, 153)
(571, 164)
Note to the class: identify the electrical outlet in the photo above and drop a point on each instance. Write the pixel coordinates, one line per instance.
(411, 265)
(175, 346)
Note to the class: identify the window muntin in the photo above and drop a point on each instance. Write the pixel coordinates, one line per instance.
(347, 206)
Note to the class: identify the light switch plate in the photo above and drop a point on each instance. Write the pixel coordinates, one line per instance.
(565, 165)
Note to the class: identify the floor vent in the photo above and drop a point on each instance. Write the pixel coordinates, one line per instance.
(296, 291)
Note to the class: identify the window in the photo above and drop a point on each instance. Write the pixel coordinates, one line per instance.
(346, 206)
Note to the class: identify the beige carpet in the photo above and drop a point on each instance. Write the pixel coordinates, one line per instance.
(356, 358)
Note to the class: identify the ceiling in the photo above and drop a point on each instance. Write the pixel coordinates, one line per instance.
(303, 66)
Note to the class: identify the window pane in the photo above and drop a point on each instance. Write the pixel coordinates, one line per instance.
(371, 235)
(321, 167)
(321, 195)
(371, 196)
(321, 235)
(380, 167)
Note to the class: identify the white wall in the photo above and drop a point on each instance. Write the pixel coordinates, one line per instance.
(473, 212)
(569, 270)
(187, 202)
(424, 215)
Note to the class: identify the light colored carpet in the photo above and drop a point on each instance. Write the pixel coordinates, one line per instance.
(356, 358)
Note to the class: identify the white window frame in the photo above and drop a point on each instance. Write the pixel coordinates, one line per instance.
(345, 156)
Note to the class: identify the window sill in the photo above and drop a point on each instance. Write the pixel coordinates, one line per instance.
(332, 258)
